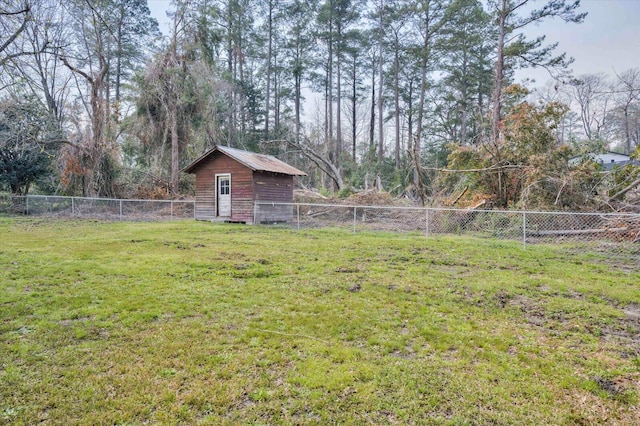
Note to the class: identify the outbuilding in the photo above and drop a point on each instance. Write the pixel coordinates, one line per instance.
(230, 181)
(607, 160)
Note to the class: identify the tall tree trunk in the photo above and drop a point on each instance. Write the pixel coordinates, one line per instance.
(173, 121)
(410, 116)
(276, 91)
(423, 89)
(338, 96)
(627, 131)
(380, 90)
(119, 53)
(396, 99)
(231, 92)
(240, 77)
(372, 115)
(326, 111)
(497, 98)
(498, 76)
(353, 110)
(174, 97)
(297, 99)
(464, 106)
(330, 87)
(269, 54)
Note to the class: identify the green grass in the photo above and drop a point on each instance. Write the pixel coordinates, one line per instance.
(194, 323)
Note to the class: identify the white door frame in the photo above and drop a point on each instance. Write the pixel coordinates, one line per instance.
(217, 189)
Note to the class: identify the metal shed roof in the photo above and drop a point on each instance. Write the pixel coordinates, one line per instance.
(252, 160)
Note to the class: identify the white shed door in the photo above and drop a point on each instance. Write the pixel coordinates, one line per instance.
(223, 191)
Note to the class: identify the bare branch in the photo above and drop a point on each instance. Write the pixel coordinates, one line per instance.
(494, 168)
(76, 70)
(319, 160)
(19, 12)
(15, 35)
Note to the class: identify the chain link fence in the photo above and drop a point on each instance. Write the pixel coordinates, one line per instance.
(96, 208)
(611, 234)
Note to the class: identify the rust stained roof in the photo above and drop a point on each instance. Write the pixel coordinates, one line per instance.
(252, 160)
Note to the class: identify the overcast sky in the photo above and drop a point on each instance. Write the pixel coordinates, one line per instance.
(607, 41)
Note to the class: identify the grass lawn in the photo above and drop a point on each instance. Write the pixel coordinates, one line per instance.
(195, 323)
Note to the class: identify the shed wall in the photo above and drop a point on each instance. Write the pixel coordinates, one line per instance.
(275, 188)
(241, 188)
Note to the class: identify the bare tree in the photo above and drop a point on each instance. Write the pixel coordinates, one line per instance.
(14, 18)
(627, 99)
(593, 95)
(37, 68)
(88, 60)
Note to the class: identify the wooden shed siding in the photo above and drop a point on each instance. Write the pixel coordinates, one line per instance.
(273, 187)
(241, 188)
(205, 192)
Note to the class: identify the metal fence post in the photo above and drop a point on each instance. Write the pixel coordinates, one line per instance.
(120, 209)
(426, 222)
(354, 219)
(26, 197)
(171, 209)
(73, 206)
(524, 230)
(298, 214)
(255, 212)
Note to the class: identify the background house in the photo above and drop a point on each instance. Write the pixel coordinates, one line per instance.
(229, 181)
(607, 160)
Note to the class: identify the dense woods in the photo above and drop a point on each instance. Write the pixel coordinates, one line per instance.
(415, 96)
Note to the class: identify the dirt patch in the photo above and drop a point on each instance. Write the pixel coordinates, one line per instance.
(629, 381)
(347, 270)
(572, 294)
(632, 313)
(502, 298)
(545, 288)
(72, 321)
(175, 244)
(610, 386)
(354, 288)
(622, 388)
(625, 331)
(533, 312)
(402, 354)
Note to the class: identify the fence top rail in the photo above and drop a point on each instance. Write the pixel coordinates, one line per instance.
(64, 197)
(348, 206)
(448, 209)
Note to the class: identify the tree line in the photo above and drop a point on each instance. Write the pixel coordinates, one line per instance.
(417, 96)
